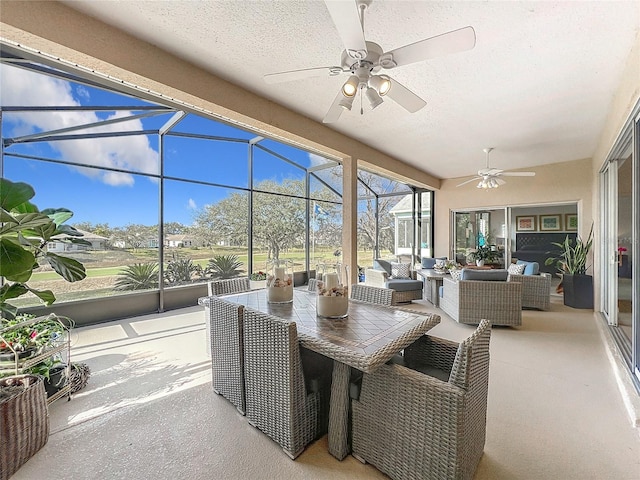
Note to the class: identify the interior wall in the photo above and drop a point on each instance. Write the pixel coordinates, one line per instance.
(623, 102)
(566, 182)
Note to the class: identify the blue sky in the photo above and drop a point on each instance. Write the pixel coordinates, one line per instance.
(120, 198)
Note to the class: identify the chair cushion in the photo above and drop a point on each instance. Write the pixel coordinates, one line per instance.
(530, 268)
(400, 270)
(496, 275)
(515, 269)
(379, 264)
(403, 285)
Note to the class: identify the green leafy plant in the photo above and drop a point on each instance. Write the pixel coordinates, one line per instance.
(139, 276)
(224, 266)
(257, 276)
(25, 232)
(181, 270)
(573, 255)
(485, 253)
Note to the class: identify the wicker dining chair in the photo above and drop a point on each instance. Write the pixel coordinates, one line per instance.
(369, 294)
(426, 420)
(227, 359)
(287, 386)
(228, 286)
(223, 287)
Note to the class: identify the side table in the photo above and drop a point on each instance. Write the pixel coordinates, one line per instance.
(432, 283)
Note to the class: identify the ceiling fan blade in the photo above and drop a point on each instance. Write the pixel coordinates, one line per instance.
(445, 44)
(518, 174)
(499, 181)
(301, 74)
(469, 181)
(335, 110)
(346, 17)
(405, 97)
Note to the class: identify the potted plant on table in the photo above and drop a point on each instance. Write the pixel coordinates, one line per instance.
(484, 254)
(571, 262)
(258, 280)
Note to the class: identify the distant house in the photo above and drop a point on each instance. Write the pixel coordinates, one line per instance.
(403, 223)
(98, 242)
(180, 241)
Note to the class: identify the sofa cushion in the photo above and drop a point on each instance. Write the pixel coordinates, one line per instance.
(496, 275)
(531, 268)
(379, 264)
(456, 274)
(403, 285)
(400, 270)
(516, 269)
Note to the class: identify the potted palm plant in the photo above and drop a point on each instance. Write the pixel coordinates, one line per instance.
(571, 262)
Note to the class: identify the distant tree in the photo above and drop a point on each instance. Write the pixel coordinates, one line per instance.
(135, 235)
(102, 229)
(367, 215)
(174, 228)
(278, 220)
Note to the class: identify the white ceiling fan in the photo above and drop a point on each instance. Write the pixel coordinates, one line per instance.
(363, 60)
(490, 177)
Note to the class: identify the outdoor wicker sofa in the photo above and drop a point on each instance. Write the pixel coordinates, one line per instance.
(287, 386)
(469, 301)
(426, 420)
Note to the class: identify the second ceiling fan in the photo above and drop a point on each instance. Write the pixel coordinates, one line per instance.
(362, 60)
(490, 177)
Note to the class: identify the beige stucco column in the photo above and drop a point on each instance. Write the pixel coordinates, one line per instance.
(350, 216)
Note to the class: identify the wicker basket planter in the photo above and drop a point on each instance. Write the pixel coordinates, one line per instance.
(24, 421)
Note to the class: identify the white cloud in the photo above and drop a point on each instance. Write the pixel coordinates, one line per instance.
(192, 204)
(23, 88)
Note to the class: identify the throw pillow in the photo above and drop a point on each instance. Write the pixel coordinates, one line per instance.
(400, 270)
(515, 269)
(455, 274)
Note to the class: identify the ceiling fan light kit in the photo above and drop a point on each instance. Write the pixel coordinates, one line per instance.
(382, 84)
(350, 87)
(373, 97)
(363, 60)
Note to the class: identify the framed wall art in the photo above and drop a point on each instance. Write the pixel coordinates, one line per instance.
(550, 223)
(571, 222)
(526, 223)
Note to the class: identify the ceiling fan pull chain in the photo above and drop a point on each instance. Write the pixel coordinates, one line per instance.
(361, 106)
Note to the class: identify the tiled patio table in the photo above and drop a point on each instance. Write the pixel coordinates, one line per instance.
(370, 336)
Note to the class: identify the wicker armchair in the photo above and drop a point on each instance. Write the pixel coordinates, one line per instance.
(380, 279)
(366, 293)
(426, 420)
(227, 360)
(536, 290)
(469, 301)
(287, 387)
(228, 286)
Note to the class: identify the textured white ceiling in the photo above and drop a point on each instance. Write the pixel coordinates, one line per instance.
(537, 86)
